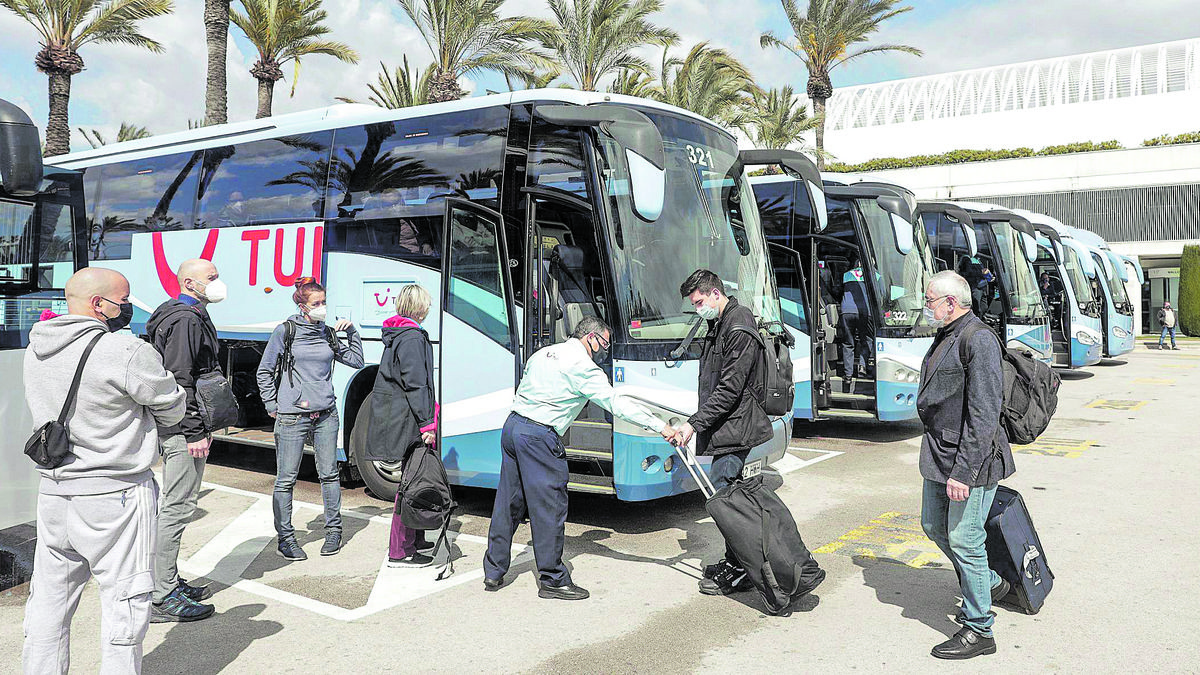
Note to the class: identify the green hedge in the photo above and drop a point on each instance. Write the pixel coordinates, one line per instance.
(963, 156)
(1189, 291)
(1168, 139)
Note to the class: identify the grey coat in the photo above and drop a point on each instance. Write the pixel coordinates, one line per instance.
(959, 404)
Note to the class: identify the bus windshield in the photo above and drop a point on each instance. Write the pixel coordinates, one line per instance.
(900, 278)
(709, 220)
(1017, 273)
(1079, 280)
(1116, 287)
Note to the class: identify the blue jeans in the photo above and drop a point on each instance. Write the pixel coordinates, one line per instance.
(291, 430)
(1163, 337)
(957, 529)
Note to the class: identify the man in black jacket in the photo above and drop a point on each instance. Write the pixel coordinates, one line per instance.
(964, 453)
(184, 334)
(730, 420)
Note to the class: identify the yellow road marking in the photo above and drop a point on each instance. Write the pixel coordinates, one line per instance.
(1115, 404)
(893, 536)
(1055, 447)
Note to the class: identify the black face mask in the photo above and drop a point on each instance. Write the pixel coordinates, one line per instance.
(600, 355)
(121, 320)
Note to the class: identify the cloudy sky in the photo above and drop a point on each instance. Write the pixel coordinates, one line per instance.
(163, 91)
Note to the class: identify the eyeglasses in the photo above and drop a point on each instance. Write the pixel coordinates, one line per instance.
(933, 301)
(604, 344)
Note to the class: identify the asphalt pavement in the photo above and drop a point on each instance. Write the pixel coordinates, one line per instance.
(1111, 485)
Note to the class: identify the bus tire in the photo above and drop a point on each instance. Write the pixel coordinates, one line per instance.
(381, 478)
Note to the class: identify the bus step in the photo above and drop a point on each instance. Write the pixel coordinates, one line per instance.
(262, 437)
(847, 414)
(600, 485)
(590, 434)
(595, 454)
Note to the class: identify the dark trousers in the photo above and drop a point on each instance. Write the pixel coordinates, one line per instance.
(726, 469)
(857, 348)
(533, 482)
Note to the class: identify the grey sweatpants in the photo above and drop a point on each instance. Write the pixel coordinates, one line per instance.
(112, 535)
(181, 477)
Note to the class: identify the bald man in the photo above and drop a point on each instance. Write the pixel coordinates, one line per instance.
(96, 514)
(184, 334)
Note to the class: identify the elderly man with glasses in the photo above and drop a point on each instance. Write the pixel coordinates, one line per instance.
(964, 454)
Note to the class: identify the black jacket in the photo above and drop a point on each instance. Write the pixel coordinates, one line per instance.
(730, 417)
(402, 402)
(959, 404)
(187, 339)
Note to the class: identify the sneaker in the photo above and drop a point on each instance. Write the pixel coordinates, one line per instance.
(411, 560)
(196, 593)
(333, 543)
(711, 571)
(1175, 348)
(423, 545)
(180, 608)
(728, 580)
(290, 550)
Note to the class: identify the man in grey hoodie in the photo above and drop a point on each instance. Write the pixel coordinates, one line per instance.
(97, 512)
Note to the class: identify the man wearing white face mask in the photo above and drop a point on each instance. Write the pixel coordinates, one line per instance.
(184, 334)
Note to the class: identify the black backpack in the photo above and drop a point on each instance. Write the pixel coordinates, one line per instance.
(286, 362)
(778, 389)
(426, 502)
(1030, 389)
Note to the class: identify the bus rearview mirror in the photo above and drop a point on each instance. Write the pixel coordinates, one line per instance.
(20, 151)
(903, 231)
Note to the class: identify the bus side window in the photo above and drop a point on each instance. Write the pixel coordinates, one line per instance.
(141, 195)
(278, 180)
(775, 209)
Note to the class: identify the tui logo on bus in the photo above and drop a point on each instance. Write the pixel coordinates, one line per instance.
(256, 238)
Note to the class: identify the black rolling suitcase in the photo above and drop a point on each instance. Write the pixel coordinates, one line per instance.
(1015, 552)
(760, 530)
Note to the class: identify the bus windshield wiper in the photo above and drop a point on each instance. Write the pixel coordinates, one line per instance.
(687, 340)
(712, 224)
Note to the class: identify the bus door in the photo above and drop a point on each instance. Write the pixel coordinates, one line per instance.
(808, 354)
(1056, 293)
(478, 343)
(565, 285)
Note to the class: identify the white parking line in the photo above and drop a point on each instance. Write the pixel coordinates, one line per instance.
(226, 557)
(790, 462)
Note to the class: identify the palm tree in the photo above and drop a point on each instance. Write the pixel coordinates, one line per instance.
(67, 25)
(634, 83)
(595, 38)
(127, 132)
(822, 38)
(283, 31)
(399, 89)
(709, 81)
(537, 80)
(777, 119)
(467, 36)
(216, 34)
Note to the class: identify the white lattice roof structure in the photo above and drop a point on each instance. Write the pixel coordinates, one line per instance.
(1101, 76)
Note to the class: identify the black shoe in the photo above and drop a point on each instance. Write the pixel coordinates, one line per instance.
(1175, 348)
(333, 543)
(729, 579)
(424, 546)
(177, 607)
(965, 644)
(847, 385)
(492, 585)
(196, 593)
(711, 571)
(566, 592)
(1000, 591)
(290, 550)
(411, 560)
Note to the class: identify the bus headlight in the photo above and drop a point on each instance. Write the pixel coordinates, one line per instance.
(1120, 332)
(1085, 338)
(892, 371)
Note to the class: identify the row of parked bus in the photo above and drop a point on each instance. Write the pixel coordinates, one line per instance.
(523, 213)
(1055, 291)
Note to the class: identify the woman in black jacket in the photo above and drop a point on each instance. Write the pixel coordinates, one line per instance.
(403, 408)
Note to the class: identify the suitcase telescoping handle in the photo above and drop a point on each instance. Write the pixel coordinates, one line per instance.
(697, 472)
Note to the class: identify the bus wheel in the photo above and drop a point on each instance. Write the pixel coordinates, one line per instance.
(381, 478)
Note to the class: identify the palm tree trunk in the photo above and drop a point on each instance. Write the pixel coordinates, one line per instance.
(216, 33)
(58, 125)
(266, 93)
(819, 111)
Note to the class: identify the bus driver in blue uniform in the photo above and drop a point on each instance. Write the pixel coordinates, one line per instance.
(558, 382)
